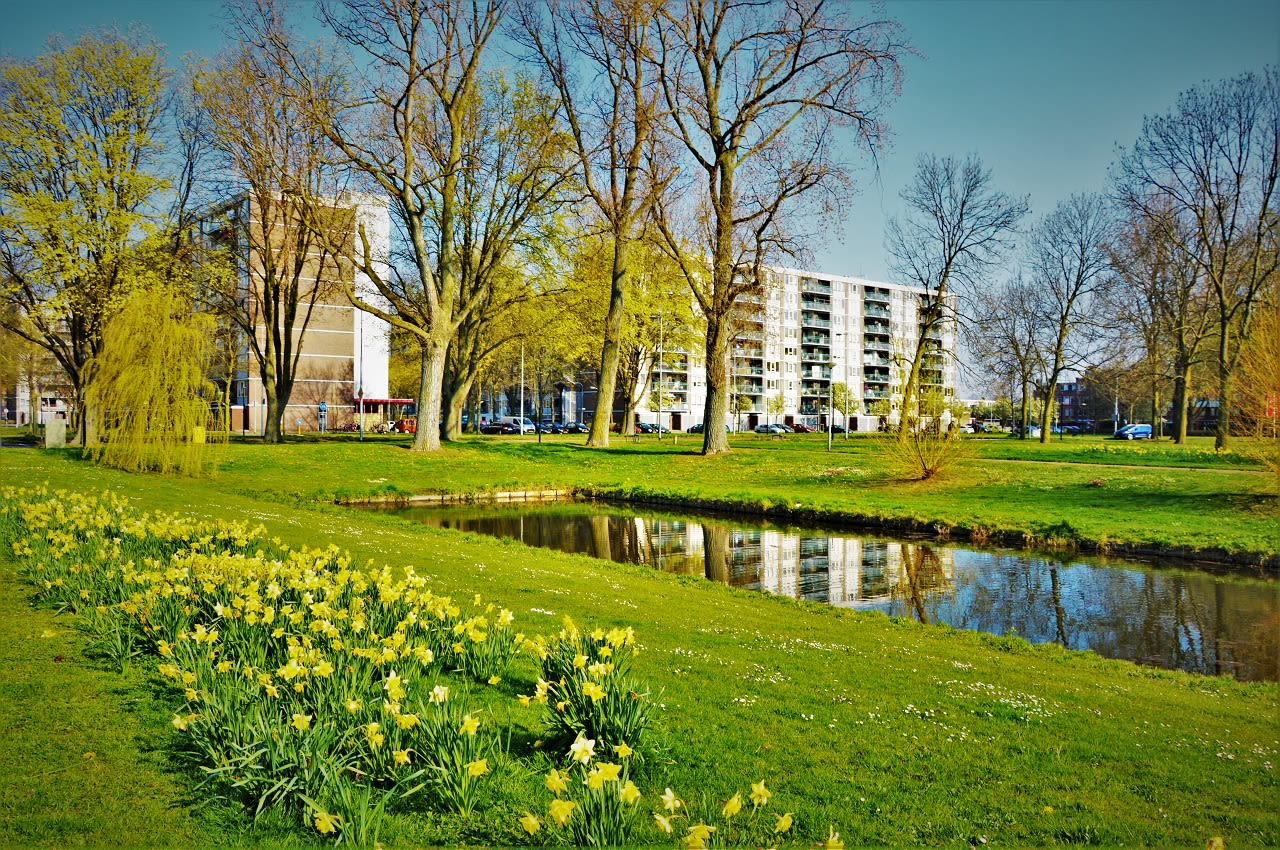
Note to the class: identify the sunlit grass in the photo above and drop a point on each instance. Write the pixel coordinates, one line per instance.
(887, 731)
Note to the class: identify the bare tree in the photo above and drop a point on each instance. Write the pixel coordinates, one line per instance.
(1005, 335)
(1069, 257)
(399, 105)
(596, 53)
(1214, 159)
(956, 228)
(758, 95)
(278, 166)
(1163, 299)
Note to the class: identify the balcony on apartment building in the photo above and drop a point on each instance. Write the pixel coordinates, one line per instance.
(823, 372)
(813, 355)
(875, 325)
(869, 359)
(821, 287)
(810, 319)
(877, 295)
(874, 342)
(740, 368)
(871, 310)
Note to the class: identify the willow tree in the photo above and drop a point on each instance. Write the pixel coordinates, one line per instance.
(79, 142)
(149, 387)
(762, 98)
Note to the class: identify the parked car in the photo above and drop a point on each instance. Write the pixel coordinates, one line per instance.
(578, 428)
(491, 428)
(801, 428)
(550, 426)
(772, 428)
(407, 425)
(519, 425)
(696, 428)
(1134, 432)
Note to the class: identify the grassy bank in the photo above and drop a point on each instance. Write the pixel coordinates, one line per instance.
(887, 731)
(1091, 492)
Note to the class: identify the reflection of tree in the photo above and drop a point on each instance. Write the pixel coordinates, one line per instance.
(922, 576)
(715, 552)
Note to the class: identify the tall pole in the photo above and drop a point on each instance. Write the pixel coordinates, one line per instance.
(522, 388)
(831, 408)
(661, 384)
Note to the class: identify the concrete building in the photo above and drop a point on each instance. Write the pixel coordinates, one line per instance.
(344, 355)
(807, 332)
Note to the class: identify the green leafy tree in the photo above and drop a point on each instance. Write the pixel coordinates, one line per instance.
(78, 143)
(149, 386)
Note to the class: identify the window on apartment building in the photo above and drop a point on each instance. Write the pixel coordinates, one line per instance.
(791, 368)
(772, 365)
(773, 385)
(791, 385)
(789, 351)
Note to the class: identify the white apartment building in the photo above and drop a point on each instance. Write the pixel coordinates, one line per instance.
(806, 332)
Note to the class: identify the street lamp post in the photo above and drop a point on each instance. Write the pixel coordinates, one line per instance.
(661, 383)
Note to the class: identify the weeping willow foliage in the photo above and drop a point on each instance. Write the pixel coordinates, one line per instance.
(148, 394)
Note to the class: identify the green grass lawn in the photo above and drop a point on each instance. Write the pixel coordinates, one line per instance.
(889, 731)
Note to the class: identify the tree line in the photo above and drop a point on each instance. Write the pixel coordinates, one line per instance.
(567, 175)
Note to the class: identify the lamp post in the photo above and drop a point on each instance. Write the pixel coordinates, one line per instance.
(661, 383)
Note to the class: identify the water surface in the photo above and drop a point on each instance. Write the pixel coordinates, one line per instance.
(1187, 619)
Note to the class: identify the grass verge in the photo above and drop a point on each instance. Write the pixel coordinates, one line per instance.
(890, 732)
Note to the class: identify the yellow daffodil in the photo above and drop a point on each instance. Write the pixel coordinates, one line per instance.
(732, 807)
(579, 661)
(400, 756)
(406, 721)
(469, 725)
(556, 782)
(612, 772)
(622, 750)
(180, 723)
(833, 841)
(698, 835)
(525, 700)
(327, 823)
(664, 823)
(592, 690)
(352, 706)
(479, 767)
(530, 823)
(582, 749)
(670, 801)
(759, 794)
(629, 793)
(301, 722)
(561, 810)
(595, 779)
(493, 680)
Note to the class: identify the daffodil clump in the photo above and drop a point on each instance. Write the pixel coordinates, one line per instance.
(307, 683)
(587, 688)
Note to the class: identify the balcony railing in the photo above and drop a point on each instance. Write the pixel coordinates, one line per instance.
(822, 305)
(810, 321)
(877, 326)
(868, 360)
(808, 285)
(878, 295)
(877, 311)
(815, 339)
(814, 356)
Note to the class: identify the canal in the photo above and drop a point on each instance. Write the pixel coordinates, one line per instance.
(1178, 617)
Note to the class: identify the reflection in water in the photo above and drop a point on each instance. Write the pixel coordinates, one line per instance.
(1186, 620)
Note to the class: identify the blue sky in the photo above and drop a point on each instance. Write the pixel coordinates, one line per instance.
(1042, 90)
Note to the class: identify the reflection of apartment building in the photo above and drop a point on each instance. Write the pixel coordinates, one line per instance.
(806, 332)
(343, 354)
(836, 570)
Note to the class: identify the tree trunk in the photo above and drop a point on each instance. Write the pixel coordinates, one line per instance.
(610, 352)
(434, 350)
(716, 412)
(1224, 388)
(1181, 403)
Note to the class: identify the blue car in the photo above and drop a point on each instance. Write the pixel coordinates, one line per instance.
(1135, 432)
